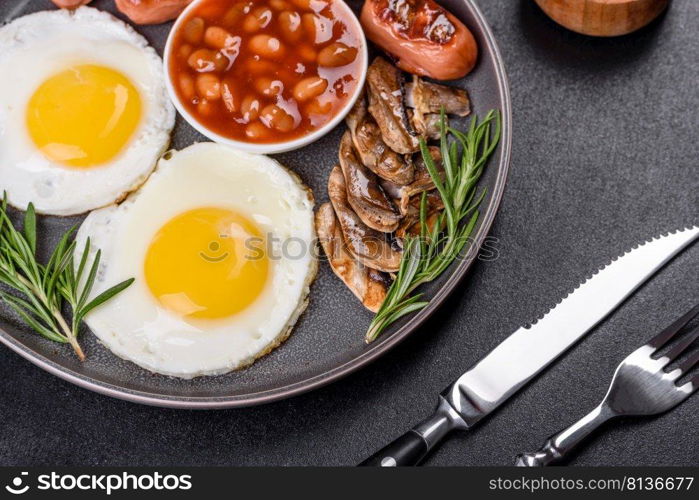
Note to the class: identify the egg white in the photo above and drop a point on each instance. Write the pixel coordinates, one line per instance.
(38, 46)
(136, 327)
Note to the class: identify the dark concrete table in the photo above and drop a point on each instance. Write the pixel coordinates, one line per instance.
(606, 153)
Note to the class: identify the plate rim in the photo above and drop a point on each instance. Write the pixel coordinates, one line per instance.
(340, 371)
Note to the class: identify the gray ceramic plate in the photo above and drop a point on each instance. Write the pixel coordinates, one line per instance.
(327, 343)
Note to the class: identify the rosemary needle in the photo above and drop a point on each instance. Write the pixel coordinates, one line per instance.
(425, 257)
(38, 292)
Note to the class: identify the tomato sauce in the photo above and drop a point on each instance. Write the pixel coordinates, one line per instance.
(265, 71)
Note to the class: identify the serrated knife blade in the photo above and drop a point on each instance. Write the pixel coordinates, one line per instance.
(526, 352)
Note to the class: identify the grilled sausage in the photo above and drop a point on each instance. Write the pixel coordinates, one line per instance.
(70, 4)
(151, 11)
(424, 37)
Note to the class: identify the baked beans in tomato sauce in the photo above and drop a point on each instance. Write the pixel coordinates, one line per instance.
(265, 71)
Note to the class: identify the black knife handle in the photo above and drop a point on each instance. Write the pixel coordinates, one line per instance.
(409, 449)
(413, 446)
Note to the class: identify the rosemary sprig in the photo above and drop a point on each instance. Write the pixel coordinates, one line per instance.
(426, 256)
(41, 290)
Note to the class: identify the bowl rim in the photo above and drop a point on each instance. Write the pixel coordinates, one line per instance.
(272, 147)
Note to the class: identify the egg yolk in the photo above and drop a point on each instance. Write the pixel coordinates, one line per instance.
(83, 116)
(207, 263)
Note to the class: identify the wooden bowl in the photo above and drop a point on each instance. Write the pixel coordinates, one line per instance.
(603, 17)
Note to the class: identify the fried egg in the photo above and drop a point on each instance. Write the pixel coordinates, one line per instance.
(84, 112)
(222, 246)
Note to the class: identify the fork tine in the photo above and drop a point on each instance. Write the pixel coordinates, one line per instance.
(668, 333)
(691, 386)
(689, 363)
(678, 349)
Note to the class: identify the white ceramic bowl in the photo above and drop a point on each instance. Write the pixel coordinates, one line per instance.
(272, 147)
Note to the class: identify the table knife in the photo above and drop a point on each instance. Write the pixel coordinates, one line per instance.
(520, 357)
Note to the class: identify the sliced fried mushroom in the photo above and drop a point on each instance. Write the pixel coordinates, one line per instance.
(413, 228)
(370, 247)
(364, 193)
(427, 97)
(369, 285)
(372, 149)
(422, 182)
(410, 223)
(385, 92)
(427, 125)
(423, 179)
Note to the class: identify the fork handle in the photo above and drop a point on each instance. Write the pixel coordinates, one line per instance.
(558, 446)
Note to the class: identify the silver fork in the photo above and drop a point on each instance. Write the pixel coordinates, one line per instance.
(640, 386)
